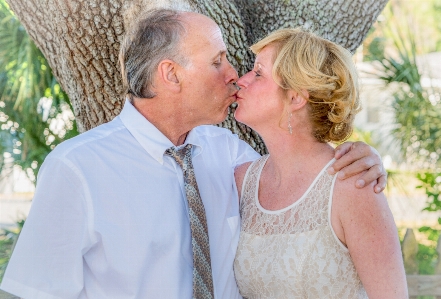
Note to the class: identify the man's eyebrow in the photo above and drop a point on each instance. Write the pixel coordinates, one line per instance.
(220, 53)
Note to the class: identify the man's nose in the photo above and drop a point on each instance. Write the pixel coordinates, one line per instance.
(231, 75)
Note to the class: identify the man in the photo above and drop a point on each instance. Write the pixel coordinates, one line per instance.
(112, 215)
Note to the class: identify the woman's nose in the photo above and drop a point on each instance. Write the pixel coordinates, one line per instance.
(242, 81)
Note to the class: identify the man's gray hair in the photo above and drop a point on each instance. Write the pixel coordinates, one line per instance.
(152, 38)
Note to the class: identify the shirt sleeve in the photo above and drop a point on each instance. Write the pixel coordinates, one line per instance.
(47, 261)
(243, 153)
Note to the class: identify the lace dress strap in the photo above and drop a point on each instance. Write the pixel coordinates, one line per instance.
(250, 180)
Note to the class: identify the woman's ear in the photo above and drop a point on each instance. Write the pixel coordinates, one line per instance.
(298, 101)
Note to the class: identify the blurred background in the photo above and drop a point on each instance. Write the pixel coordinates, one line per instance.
(399, 66)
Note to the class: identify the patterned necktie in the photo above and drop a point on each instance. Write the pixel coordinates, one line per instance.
(202, 277)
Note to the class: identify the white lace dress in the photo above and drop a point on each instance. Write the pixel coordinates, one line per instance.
(292, 252)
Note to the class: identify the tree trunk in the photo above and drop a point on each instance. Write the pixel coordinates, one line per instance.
(81, 39)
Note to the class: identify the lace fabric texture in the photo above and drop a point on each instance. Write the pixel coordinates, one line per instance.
(292, 252)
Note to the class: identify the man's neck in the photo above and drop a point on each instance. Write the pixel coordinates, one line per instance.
(167, 121)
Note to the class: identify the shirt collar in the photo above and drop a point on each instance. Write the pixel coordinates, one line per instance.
(149, 137)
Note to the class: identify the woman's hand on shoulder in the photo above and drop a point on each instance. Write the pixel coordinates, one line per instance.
(239, 175)
(364, 219)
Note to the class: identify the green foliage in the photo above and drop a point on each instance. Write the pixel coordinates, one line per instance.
(362, 135)
(421, 16)
(8, 238)
(417, 108)
(437, 13)
(431, 183)
(427, 256)
(35, 113)
(375, 49)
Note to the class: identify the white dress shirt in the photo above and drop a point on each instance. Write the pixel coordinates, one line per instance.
(109, 217)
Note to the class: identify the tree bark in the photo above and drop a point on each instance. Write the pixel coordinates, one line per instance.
(81, 39)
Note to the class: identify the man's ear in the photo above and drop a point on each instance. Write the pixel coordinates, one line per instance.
(298, 101)
(167, 72)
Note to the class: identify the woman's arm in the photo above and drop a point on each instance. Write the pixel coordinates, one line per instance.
(363, 221)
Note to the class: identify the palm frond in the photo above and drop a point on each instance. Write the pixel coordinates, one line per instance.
(418, 120)
(26, 78)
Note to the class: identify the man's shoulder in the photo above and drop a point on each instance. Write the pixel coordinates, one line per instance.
(85, 140)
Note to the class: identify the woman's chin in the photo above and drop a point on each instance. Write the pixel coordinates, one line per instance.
(242, 116)
(238, 116)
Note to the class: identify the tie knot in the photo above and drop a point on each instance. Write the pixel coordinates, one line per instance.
(182, 156)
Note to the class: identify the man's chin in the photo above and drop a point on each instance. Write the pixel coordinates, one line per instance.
(223, 117)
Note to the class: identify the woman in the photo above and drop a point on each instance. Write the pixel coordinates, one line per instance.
(304, 233)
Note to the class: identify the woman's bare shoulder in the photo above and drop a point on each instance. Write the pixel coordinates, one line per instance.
(358, 210)
(347, 194)
(239, 175)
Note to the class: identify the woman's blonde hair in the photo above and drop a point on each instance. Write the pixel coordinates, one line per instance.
(305, 61)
